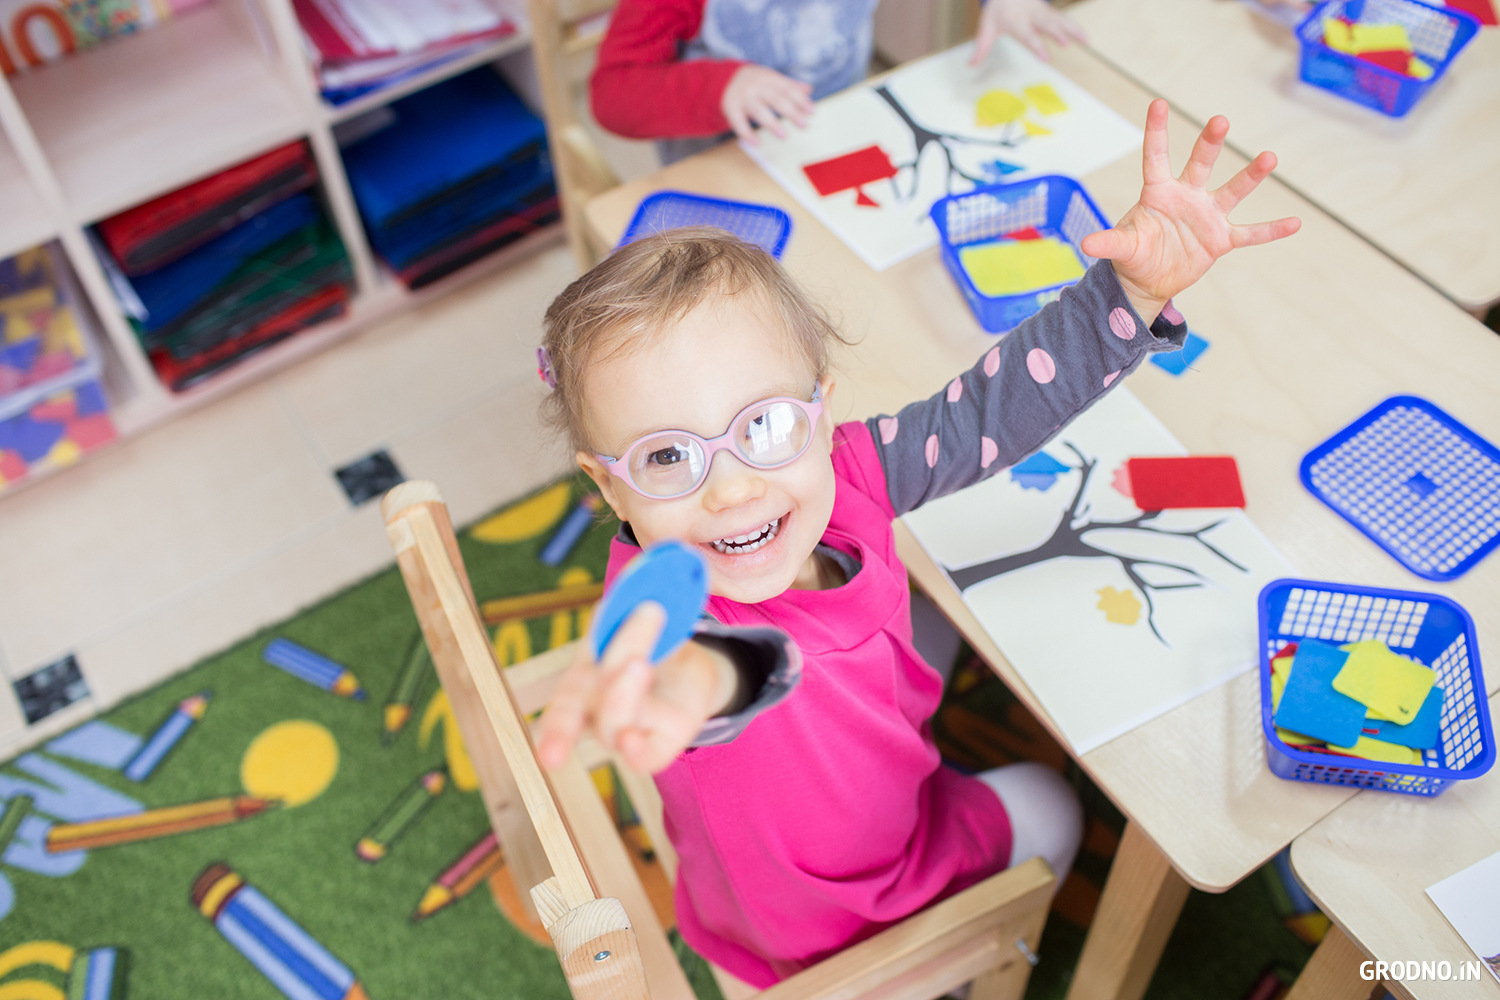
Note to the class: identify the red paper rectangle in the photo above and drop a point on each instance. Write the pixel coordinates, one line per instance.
(850, 170)
(1192, 481)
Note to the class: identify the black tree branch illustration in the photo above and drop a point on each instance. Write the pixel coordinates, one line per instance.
(1069, 538)
(923, 137)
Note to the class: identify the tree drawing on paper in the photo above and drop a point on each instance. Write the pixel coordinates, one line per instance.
(871, 164)
(1071, 539)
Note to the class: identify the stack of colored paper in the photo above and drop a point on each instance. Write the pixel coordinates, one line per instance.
(229, 265)
(1356, 700)
(51, 406)
(1385, 45)
(1023, 261)
(450, 174)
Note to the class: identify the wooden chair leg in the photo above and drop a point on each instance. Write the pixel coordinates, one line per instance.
(1136, 914)
(1333, 972)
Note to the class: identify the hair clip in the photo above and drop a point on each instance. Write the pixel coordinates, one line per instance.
(544, 368)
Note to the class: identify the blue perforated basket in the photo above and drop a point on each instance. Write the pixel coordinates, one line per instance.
(1437, 34)
(1430, 629)
(767, 226)
(1052, 205)
(1420, 484)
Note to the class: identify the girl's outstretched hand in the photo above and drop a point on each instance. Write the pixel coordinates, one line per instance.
(1174, 233)
(648, 715)
(1028, 21)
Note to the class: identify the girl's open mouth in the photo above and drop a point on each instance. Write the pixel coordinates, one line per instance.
(739, 545)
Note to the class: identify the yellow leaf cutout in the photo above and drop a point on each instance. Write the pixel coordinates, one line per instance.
(526, 519)
(1046, 99)
(1119, 606)
(998, 107)
(1032, 128)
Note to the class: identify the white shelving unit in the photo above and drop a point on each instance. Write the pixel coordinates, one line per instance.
(119, 124)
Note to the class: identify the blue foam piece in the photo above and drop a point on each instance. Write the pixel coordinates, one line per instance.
(1421, 733)
(673, 575)
(1310, 705)
(1177, 362)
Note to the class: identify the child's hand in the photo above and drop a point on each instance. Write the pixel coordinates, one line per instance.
(1171, 237)
(757, 95)
(648, 715)
(1027, 21)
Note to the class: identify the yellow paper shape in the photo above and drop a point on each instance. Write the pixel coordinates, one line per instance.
(1390, 753)
(1278, 685)
(1419, 69)
(1008, 267)
(1032, 128)
(1336, 36)
(1119, 606)
(1045, 98)
(1292, 739)
(1385, 681)
(1379, 38)
(998, 107)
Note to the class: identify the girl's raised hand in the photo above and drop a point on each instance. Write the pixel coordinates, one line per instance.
(1174, 233)
(648, 715)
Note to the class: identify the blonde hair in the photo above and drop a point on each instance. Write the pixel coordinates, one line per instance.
(641, 289)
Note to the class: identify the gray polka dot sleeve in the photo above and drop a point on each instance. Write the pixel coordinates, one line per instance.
(1023, 391)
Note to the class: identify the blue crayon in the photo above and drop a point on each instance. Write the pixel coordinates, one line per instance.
(314, 668)
(98, 974)
(570, 531)
(188, 711)
(293, 960)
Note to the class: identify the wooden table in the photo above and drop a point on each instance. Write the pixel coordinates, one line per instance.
(1368, 865)
(1425, 188)
(1305, 336)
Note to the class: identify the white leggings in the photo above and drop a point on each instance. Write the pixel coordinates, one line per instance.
(1046, 818)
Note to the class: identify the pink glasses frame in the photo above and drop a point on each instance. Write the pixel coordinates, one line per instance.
(620, 466)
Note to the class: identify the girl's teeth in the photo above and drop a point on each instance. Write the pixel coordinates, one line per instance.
(743, 544)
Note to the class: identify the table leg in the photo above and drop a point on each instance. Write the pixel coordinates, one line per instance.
(1333, 972)
(1136, 914)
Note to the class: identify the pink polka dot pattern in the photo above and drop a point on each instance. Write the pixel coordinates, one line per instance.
(992, 362)
(988, 452)
(1122, 323)
(1041, 365)
(955, 390)
(1107, 380)
(888, 427)
(1170, 314)
(932, 451)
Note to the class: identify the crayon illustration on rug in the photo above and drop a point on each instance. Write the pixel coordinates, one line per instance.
(873, 159)
(296, 816)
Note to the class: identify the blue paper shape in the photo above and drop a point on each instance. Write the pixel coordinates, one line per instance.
(999, 168)
(1039, 472)
(673, 575)
(1421, 733)
(97, 743)
(1310, 705)
(1177, 362)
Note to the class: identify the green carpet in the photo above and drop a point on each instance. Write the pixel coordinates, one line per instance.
(264, 726)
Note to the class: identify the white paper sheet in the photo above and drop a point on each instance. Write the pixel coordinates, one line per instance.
(942, 95)
(1470, 901)
(1111, 616)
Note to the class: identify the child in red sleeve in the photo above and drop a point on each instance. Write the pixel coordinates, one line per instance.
(688, 72)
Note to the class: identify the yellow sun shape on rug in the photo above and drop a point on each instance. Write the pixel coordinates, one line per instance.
(292, 762)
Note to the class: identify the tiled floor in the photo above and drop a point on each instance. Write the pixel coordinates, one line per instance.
(161, 550)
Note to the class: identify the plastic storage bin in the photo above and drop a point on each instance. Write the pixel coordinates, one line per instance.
(1428, 628)
(1437, 34)
(1052, 205)
(767, 226)
(52, 407)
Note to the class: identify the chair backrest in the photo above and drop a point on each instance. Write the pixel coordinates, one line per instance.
(603, 927)
(565, 34)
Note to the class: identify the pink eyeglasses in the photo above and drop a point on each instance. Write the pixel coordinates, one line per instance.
(764, 435)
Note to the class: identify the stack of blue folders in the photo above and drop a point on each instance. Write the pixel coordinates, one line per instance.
(460, 170)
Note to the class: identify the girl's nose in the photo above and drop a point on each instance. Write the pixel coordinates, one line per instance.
(731, 483)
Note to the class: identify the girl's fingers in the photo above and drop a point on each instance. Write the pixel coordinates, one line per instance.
(767, 118)
(1238, 187)
(621, 701)
(1263, 232)
(1062, 30)
(740, 124)
(1156, 164)
(1205, 152)
(567, 712)
(988, 32)
(1107, 244)
(653, 746)
(1028, 36)
(635, 639)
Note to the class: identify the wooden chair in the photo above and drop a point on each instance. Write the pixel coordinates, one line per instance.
(590, 899)
(564, 35)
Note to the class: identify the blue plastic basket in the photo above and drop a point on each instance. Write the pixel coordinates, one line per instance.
(1052, 205)
(1420, 484)
(1437, 35)
(1428, 628)
(767, 226)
